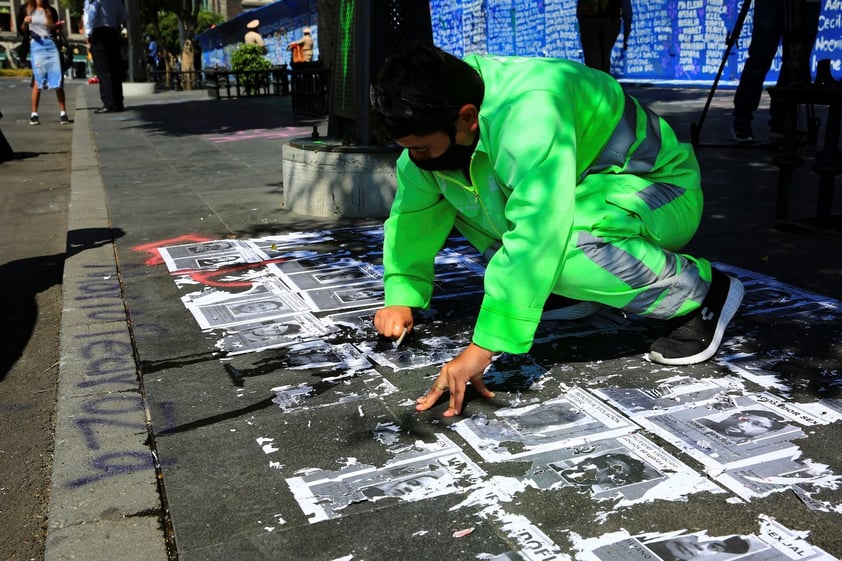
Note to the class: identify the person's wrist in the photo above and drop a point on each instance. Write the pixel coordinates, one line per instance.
(491, 354)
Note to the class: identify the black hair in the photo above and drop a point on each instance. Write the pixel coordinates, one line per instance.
(421, 89)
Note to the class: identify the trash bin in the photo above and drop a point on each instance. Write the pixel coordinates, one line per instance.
(308, 87)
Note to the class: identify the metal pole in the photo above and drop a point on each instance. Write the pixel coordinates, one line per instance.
(363, 38)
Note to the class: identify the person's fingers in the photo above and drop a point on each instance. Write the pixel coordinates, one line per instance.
(395, 330)
(392, 324)
(457, 397)
(481, 388)
(457, 394)
(431, 397)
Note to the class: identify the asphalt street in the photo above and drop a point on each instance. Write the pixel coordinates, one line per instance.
(33, 235)
(189, 426)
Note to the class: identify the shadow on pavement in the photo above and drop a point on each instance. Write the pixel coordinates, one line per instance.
(190, 117)
(23, 279)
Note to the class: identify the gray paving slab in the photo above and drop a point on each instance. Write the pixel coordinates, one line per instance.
(234, 434)
(112, 537)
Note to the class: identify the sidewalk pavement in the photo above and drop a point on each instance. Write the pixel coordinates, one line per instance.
(165, 448)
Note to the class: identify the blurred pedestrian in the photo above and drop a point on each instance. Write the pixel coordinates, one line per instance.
(767, 33)
(102, 20)
(599, 26)
(38, 23)
(252, 36)
(153, 57)
(305, 44)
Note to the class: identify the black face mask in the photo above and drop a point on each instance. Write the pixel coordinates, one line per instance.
(456, 157)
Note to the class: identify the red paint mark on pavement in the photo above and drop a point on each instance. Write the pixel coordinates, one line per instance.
(206, 277)
(152, 248)
(210, 278)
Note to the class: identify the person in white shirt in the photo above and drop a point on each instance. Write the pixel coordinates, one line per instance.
(102, 20)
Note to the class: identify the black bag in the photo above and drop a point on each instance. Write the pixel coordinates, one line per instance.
(22, 50)
(65, 53)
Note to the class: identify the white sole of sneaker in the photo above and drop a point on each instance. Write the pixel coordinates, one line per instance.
(732, 304)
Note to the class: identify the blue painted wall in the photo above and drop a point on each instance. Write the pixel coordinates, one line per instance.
(680, 40)
(280, 23)
(671, 40)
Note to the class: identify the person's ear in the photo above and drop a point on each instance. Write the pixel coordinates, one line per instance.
(469, 117)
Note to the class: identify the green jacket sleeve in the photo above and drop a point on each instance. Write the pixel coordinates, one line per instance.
(417, 227)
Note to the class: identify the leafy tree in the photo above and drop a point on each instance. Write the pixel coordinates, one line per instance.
(250, 58)
(174, 23)
(165, 31)
(75, 6)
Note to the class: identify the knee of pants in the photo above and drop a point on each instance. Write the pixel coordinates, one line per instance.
(635, 276)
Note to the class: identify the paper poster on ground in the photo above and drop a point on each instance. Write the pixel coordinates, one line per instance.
(433, 470)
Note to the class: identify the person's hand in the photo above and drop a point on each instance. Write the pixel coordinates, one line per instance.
(454, 377)
(392, 320)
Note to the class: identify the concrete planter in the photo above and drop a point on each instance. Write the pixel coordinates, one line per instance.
(134, 89)
(329, 180)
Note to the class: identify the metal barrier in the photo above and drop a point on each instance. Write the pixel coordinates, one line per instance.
(225, 83)
(309, 87)
(306, 82)
(177, 80)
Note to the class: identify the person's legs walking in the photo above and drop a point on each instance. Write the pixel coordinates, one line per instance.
(62, 107)
(811, 13)
(99, 52)
(590, 33)
(36, 99)
(117, 71)
(609, 32)
(766, 35)
(105, 49)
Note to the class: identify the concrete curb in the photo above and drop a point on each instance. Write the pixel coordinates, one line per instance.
(104, 501)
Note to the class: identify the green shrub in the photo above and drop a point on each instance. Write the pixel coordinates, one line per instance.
(250, 58)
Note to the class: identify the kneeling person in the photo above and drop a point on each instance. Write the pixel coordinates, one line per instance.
(565, 183)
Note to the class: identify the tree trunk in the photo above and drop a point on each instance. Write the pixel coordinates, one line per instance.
(187, 66)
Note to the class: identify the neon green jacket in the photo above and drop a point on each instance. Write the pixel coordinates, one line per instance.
(544, 125)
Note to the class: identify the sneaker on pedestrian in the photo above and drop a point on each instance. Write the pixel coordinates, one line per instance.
(33, 120)
(742, 133)
(699, 337)
(64, 119)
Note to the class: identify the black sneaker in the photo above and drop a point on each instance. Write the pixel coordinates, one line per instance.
(699, 337)
(64, 120)
(33, 120)
(742, 132)
(566, 309)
